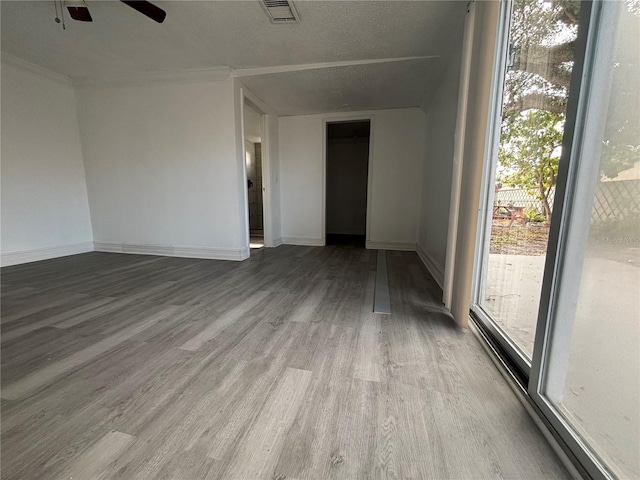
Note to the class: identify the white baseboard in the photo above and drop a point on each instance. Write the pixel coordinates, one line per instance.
(37, 254)
(107, 247)
(162, 250)
(174, 251)
(277, 242)
(402, 246)
(307, 241)
(436, 271)
(212, 253)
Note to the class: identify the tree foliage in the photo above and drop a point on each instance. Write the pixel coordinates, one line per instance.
(542, 45)
(529, 152)
(541, 52)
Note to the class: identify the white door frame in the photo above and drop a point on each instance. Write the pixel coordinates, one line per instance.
(458, 153)
(254, 102)
(344, 119)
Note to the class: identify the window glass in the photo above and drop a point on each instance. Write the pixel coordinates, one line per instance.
(540, 61)
(593, 372)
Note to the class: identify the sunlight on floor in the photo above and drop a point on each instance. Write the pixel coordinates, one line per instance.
(256, 242)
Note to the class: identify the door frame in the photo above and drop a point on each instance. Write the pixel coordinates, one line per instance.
(252, 101)
(348, 118)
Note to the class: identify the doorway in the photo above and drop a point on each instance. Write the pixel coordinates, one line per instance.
(253, 136)
(347, 151)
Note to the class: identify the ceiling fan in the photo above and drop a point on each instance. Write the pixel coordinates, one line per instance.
(78, 10)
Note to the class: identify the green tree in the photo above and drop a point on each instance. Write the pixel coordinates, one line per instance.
(541, 50)
(529, 152)
(542, 46)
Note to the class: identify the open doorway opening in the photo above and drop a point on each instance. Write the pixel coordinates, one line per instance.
(347, 178)
(255, 188)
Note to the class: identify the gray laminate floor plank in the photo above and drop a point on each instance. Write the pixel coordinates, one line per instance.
(100, 460)
(217, 325)
(259, 450)
(39, 378)
(38, 350)
(136, 367)
(50, 316)
(315, 430)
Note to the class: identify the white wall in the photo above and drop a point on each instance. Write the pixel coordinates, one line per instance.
(252, 124)
(396, 169)
(438, 168)
(45, 211)
(164, 168)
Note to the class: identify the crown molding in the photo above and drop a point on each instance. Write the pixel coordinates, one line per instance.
(250, 72)
(35, 69)
(214, 74)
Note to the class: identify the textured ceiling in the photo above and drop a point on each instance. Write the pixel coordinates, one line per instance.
(238, 34)
(349, 88)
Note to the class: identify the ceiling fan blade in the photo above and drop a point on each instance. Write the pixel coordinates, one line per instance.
(79, 13)
(148, 9)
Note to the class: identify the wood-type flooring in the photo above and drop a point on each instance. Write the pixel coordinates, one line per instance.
(120, 366)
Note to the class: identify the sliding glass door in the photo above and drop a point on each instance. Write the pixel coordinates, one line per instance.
(558, 269)
(537, 63)
(588, 367)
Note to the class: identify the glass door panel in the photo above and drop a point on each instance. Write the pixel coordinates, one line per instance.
(591, 370)
(520, 185)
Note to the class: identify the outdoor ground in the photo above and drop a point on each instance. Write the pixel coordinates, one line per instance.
(513, 237)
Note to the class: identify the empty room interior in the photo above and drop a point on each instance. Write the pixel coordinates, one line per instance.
(294, 239)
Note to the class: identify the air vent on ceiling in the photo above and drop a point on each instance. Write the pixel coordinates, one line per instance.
(280, 11)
